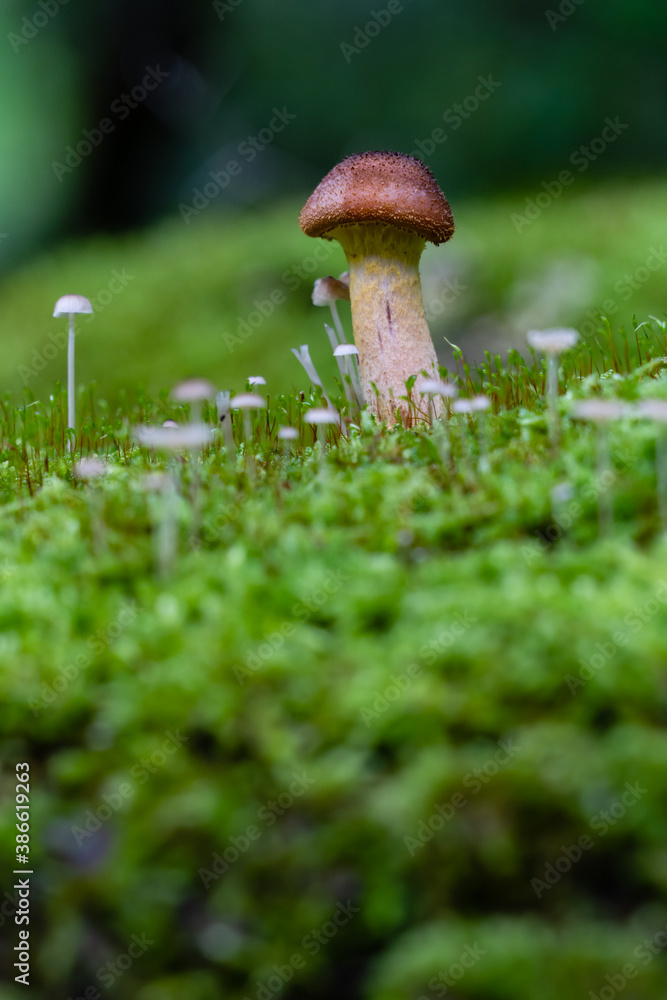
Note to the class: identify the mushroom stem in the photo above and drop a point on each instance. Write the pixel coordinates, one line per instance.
(71, 390)
(388, 317)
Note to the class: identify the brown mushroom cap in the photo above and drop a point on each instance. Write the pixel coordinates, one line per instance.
(379, 187)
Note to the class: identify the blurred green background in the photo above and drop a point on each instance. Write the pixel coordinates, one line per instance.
(99, 178)
(544, 125)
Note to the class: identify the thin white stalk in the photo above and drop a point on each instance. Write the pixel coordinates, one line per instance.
(333, 339)
(71, 389)
(303, 357)
(167, 532)
(337, 323)
(343, 364)
(552, 398)
(225, 419)
(353, 362)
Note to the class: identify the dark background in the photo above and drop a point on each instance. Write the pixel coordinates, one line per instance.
(231, 64)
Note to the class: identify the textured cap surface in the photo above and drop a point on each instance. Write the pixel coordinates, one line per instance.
(379, 187)
(67, 304)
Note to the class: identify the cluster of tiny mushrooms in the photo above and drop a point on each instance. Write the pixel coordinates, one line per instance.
(382, 208)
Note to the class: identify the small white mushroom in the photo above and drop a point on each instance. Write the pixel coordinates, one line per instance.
(189, 437)
(602, 412)
(329, 289)
(287, 435)
(256, 380)
(347, 356)
(247, 401)
(71, 305)
(91, 470)
(599, 410)
(552, 343)
(320, 417)
(435, 387)
(194, 391)
(326, 292)
(476, 404)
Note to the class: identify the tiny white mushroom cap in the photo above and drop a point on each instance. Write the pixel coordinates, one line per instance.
(248, 401)
(68, 304)
(193, 390)
(552, 341)
(435, 387)
(326, 290)
(599, 410)
(288, 433)
(170, 423)
(322, 415)
(473, 405)
(90, 468)
(256, 380)
(343, 349)
(653, 409)
(173, 438)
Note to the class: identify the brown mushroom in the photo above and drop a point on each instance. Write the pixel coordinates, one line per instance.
(382, 208)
